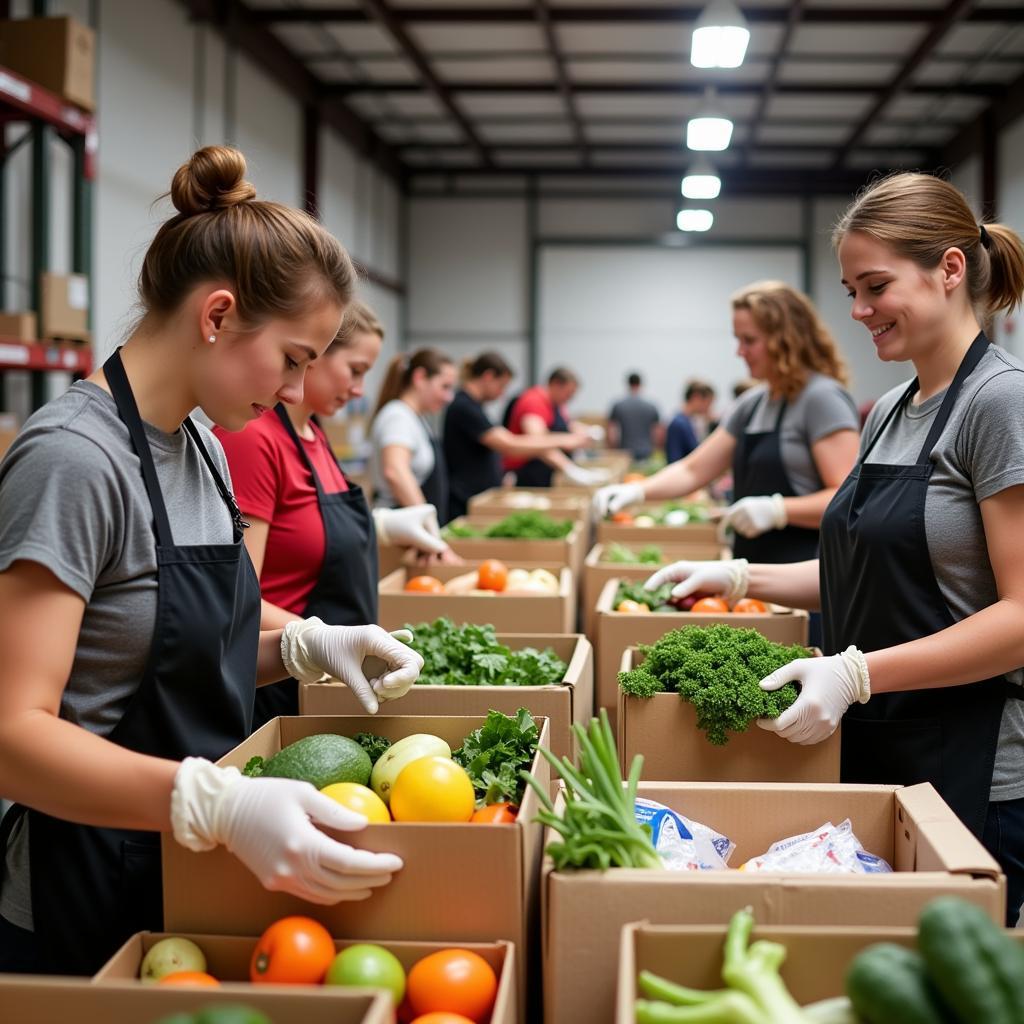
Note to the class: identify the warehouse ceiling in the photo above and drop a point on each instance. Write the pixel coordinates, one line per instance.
(576, 95)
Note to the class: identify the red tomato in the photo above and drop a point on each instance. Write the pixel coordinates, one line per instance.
(292, 951)
(492, 575)
(189, 978)
(711, 606)
(495, 814)
(424, 585)
(443, 1018)
(749, 606)
(454, 980)
(623, 518)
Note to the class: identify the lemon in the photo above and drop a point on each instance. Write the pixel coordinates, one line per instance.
(360, 799)
(432, 789)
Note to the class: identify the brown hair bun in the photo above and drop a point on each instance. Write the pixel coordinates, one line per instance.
(213, 178)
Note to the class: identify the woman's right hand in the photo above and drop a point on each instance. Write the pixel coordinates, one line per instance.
(615, 497)
(270, 826)
(728, 578)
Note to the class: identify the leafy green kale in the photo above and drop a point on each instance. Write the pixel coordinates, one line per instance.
(697, 512)
(496, 753)
(470, 655)
(373, 745)
(456, 530)
(253, 767)
(650, 555)
(633, 590)
(717, 669)
(531, 525)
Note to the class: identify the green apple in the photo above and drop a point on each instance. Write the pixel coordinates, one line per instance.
(368, 966)
(170, 955)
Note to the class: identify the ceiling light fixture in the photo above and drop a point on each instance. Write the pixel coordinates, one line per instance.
(720, 36)
(709, 131)
(701, 181)
(694, 220)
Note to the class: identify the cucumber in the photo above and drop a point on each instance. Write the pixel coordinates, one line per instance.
(321, 760)
(888, 984)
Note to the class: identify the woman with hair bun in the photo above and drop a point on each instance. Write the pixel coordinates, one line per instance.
(920, 580)
(129, 608)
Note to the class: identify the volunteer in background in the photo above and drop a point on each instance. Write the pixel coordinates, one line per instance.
(539, 411)
(129, 609)
(633, 422)
(690, 426)
(790, 441)
(920, 564)
(311, 536)
(473, 444)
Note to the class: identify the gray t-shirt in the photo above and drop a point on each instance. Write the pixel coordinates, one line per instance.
(636, 418)
(72, 499)
(399, 424)
(980, 453)
(823, 407)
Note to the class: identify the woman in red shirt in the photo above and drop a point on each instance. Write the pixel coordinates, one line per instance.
(311, 535)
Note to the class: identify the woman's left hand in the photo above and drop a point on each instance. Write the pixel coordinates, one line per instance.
(753, 516)
(828, 686)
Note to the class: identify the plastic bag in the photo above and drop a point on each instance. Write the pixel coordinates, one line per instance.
(831, 849)
(683, 844)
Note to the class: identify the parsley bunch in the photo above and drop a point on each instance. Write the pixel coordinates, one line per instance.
(650, 555)
(634, 591)
(527, 525)
(497, 754)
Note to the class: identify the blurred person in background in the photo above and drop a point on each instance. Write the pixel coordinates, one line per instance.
(692, 424)
(633, 422)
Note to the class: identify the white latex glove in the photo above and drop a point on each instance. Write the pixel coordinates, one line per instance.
(753, 516)
(615, 497)
(412, 527)
(268, 824)
(727, 578)
(596, 432)
(585, 477)
(311, 650)
(828, 686)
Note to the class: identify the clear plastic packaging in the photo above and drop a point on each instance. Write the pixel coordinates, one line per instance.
(831, 849)
(683, 844)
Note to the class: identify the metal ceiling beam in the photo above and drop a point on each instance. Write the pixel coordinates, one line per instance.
(392, 24)
(657, 147)
(629, 14)
(1003, 111)
(673, 122)
(562, 77)
(953, 13)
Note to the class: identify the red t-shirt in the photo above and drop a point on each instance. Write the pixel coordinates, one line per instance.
(535, 401)
(272, 482)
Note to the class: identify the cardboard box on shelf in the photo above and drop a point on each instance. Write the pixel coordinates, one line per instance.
(460, 882)
(572, 701)
(64, 309)
(512, 613)
(501, 501)
(228, 958)
(21, 325)
(597, 571)
(569, 550)
(664, 729)
(57, 53)
(931, 851)
(617, 631)
(40, 999)
(631, 535)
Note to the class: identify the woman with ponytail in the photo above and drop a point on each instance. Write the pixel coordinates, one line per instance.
(129, 608)
(920, 580)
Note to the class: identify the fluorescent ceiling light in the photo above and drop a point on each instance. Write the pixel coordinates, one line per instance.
(720, 36)
(708, 133)
(694, 220)
(701, 181)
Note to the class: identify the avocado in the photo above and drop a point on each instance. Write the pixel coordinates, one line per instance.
(321, 760)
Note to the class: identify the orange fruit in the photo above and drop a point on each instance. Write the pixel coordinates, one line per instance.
(711, 606)
(424, 585)
(189, 978)
(293, 951)
(432, 789)
(455, 981)
(360, 799)
(492, 575)
(495, 814)
(750, 606)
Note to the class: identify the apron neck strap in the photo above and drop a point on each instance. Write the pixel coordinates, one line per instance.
(229, 499)
(286, 421)
(782, 412)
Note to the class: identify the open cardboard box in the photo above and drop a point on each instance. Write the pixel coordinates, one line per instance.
(597, 571)
(502, 501)
(514, 613)
(572, 701)
(460, 882)
(39, 999)
(632, 535)
(569, 550)
(617, 631)
(931, 851)
(228, 957)
(664, 729)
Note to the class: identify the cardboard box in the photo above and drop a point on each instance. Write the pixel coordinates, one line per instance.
(228, 959)
(47, 1000)
(569, 550)
(512, 613)
(634, 536)
(572, 701)
(57, 53)
(22, 325)
(460, 883)
(931, 851)
(501, 501)
(597, 572)
(617, 631)
(664, 729)
(64, 309)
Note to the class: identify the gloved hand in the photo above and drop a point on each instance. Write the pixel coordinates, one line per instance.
(412, 527)
(310, 650)
(615, 497)
(828, 686)
(268, 824)
(753, 516)
(585, 477)
(596, 432)
(727, 578)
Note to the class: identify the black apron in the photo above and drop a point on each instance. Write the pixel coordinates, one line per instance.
(94, 887)
(435, 487)
(345, 593)
(878, 590)
(536, 472)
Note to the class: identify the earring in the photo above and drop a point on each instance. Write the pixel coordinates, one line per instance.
(213, 338)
